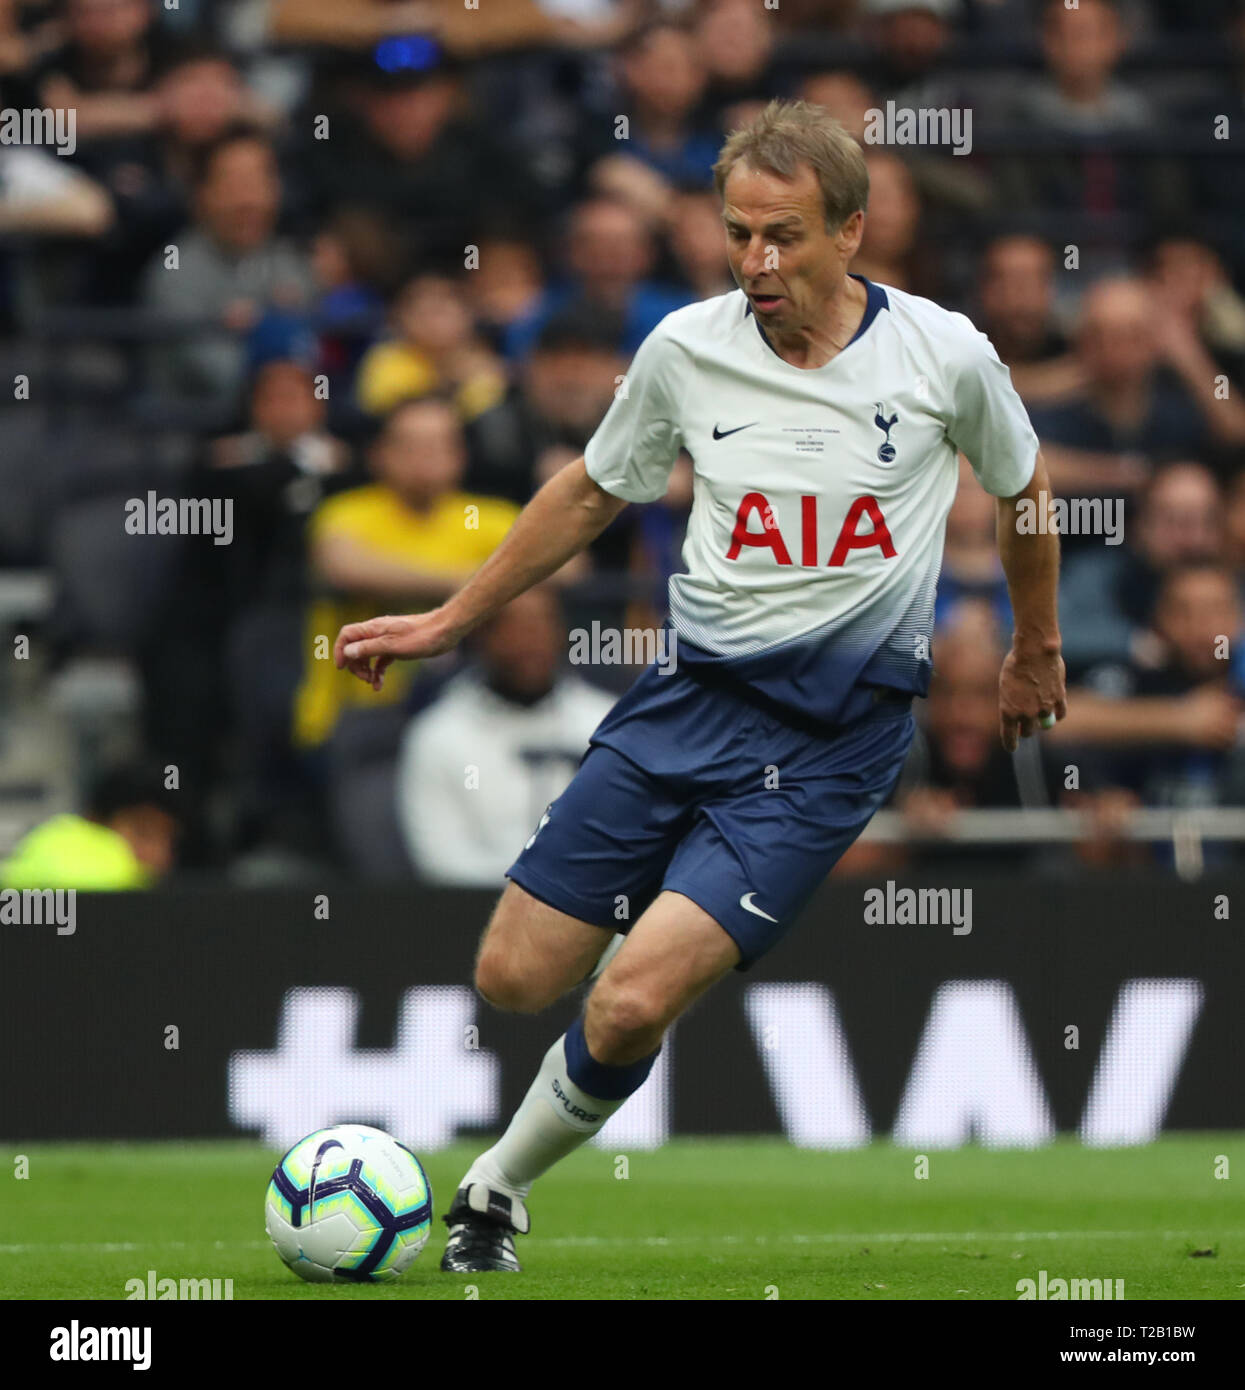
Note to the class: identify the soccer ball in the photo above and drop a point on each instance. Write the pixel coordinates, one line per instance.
(348, 1204)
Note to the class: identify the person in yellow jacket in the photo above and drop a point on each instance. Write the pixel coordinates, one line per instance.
(125, 840)
(434, 349)
(409, 539)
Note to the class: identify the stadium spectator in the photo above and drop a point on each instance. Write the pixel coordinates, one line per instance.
(698, 245)
(846, 96)
(734, 44)
(409, 538)
(505, 285)
(1087, 117)
(890, 249)
(108, 67)
(225, 654)
(609, 256)
(230, 266)
(942, 178)
(1201, 312)
(1143, 398)
(435, 349)
(357, 260)
(1016, 292)
(663, 147)
(1107, 592)
(277, 471)
(408, 145)
(564, 387)
(27, 35)
(1171, 732)
(1079, 92)
(125, 840)
(200, 97)
(516, 717)
(910, 40)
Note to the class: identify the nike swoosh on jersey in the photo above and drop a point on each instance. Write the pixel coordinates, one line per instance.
(748, 906)
(721, 434)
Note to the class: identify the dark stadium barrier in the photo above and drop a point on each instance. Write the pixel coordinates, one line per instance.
(1108, 1006)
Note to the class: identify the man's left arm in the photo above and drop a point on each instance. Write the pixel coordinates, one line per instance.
(1031, 684)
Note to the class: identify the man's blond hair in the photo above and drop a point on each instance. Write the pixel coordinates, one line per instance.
(789, 133)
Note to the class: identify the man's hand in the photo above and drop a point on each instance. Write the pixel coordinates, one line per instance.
(366, 649)
(1031, 689)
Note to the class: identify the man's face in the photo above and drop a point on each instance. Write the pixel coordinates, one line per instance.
(1017, 288)
(433, 315)
(1116, 339)
(664, 75)
(894, 209)
(844, 96)
(1081, 44)
(420, 453)
(779, 250)
(696, 234)
(106, 27)
(1182, 519)
(1195, 610)
(520, 647)
(238, 200)
(407, 120)
(572, 387)
(200, 99)
(734, 39)
(608, 244)
(284, 405)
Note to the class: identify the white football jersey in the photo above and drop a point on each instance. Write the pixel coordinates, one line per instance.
(820, 495)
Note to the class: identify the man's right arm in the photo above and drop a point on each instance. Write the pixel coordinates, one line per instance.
(564, 517)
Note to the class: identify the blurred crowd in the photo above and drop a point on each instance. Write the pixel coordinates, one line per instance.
(364, 270)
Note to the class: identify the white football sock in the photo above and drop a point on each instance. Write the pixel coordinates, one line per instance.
(554, 1119)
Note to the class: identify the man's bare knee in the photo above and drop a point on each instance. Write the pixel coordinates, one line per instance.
(531, 954)
(507, 985)
(623, 1022)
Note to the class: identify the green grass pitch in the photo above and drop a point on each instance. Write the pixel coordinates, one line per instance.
(713, 1219)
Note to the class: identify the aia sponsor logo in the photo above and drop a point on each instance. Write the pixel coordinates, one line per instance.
(770, 537)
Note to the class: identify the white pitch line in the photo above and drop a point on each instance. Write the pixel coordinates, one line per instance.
(879, 1237)
(820, 1238)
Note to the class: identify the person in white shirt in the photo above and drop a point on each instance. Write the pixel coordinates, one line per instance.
(479, 766)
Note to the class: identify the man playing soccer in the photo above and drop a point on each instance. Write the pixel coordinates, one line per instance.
(823, 414)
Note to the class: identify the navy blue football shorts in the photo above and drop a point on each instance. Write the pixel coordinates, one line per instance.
(698, 791)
